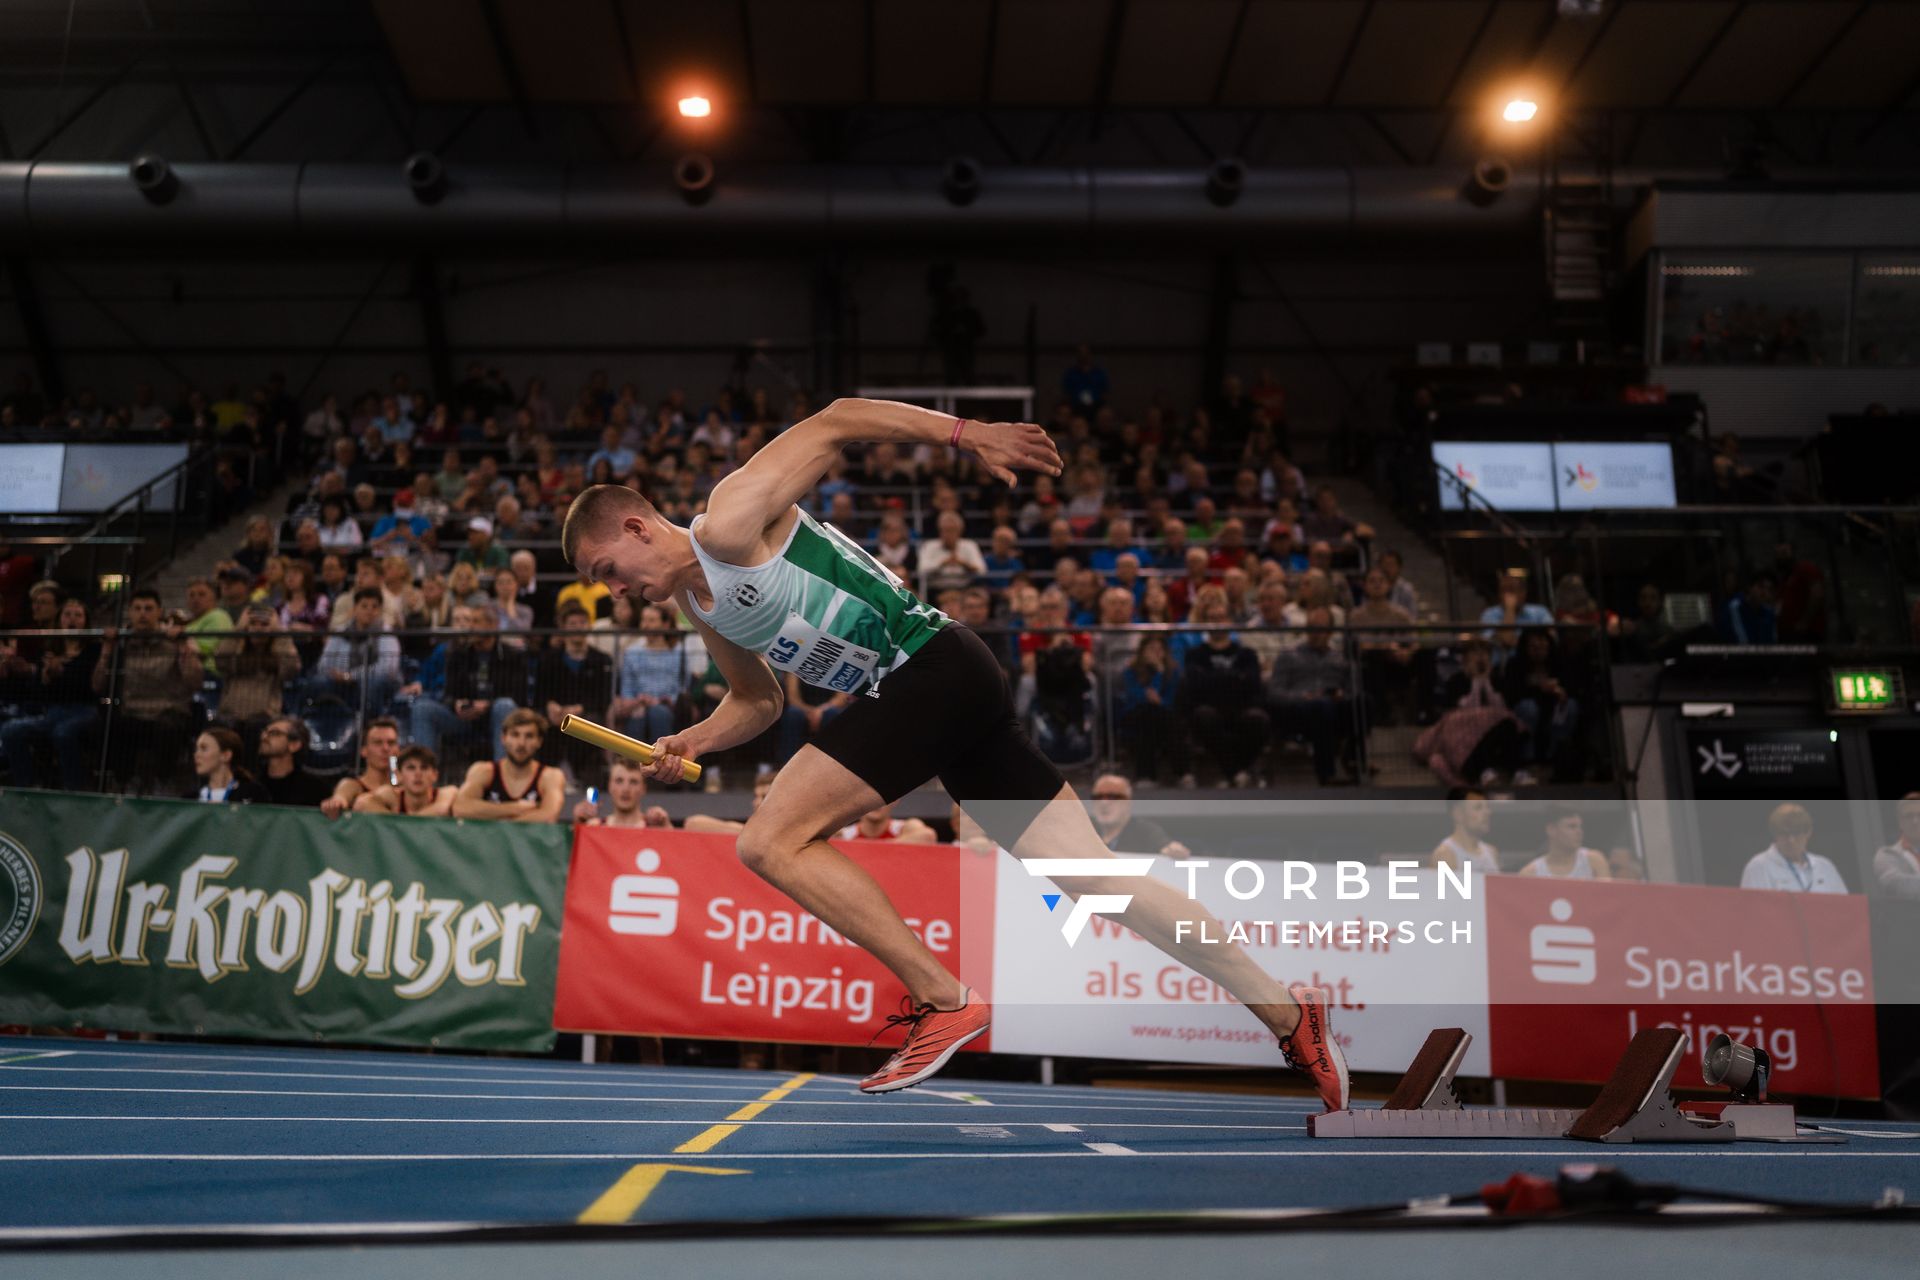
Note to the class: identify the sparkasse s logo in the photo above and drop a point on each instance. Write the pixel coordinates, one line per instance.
(646, 905)
(1086, 905)
(1562, 953)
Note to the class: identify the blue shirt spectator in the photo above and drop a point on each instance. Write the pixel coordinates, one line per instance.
(1085, 383)
(1751, 617)
(651, 673)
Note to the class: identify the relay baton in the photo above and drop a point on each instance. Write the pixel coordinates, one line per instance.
(618, 743)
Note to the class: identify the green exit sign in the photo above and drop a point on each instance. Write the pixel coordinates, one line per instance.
(1867, 689)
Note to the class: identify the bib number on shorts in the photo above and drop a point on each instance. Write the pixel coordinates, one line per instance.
(820, 659)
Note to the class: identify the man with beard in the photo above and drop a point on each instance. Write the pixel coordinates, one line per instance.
(516, 787)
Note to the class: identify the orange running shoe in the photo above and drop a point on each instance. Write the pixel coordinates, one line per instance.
(1312, 1049)
(933, 1036)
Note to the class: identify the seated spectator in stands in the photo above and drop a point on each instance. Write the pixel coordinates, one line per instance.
(252, 554)
(569, 679)
(335, 580)
(880, 824)
(366, 506)
(418, 794)
(1171, 554)
(1466, 844)
(1749, 616)
(1386, 657)
(1535, 684)
(510, 617)
(222, 781)
(516, 787)
(589, 595)
(1565, 858)
(402, 525)
(337, 527)
(1786, 864)
(205, 615)
(306, 541)
(1625, 866)
(428, 608)
(1399, 591)
(452, 478)
(538, 600)
(1327, 523)
(1230, 548)
(236, 588)
(1144, 704)
(1003, 559)
(44, 600)
(622, 805)
(653, 671)
(892, 547)
(361, 663)
(1476, 736)
(463, 584)
(1086, 498)
(1315, 591)
(1513, 611)
(254, 667)
(1648, 636)
(1121, 830)
(1310, 693)
(1120, 542)
(1270, 611)
(1220, 695)
(1184, 591)
(1113, 647)
(481, 551)
(1245, 503)
(471, 685)
(1237, 584)
(1085, 383)
(366, 574)
(1128, 577)
(154, 668)
(617, 456)
(950, 560)
(1206, 524)
(1801, 590)
(1083, 596)
(1896, 867)
(281, 776)
(1054, 682)
(60, 707)
(513, 523)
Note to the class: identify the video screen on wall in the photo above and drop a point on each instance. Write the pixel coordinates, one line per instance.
(1566, 476)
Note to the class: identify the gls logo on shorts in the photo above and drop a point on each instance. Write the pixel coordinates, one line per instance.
(1087, 905)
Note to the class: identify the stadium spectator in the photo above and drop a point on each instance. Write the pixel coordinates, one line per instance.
(1400, 591)
(18, 572)
(1270, 612)
(1648, 636)
(1220, 695)
(235, 587)
(1896, 866)
(1310, 692)
(1476, 736)
(623, 807)
(538, 601)
(204, 615)
(254, 666)
(1466, 844)
(222, 781)
(379, 744)
(1328, 523)
(1085, 383)
(1003, 559)
(950, 560)
(402, 525)
(1565, 858)
(514, 787)
(589, 595)
(1534, 685)
(1144, 705)
(1625, 866)
(570, 678)
(1387, 658)
(1230, 549)
(44, 601)
(481, 551)
(1513, 611)
(880, 824)
(470, 686)
(512, 618)
(1787, 864)
(154, 670)
(252, 554)
(1123, 831)
(60, 707)
(338, 528)
(418, 793)
(1750, 616)
(1114, 646)
(281, 775)
(361, 662)
(892, 546)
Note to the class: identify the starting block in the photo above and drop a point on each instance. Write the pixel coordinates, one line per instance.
(1635, 1105)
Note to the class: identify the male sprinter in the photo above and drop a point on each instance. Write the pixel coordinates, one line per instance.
(767, 586)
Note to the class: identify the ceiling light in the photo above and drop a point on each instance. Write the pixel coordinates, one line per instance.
(1520, 110)
(695, 107)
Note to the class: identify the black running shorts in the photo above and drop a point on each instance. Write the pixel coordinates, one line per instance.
(947, 713)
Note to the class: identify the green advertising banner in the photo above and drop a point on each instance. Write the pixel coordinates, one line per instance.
(253, 920)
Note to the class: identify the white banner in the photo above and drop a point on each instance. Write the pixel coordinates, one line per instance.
(1614, 475)
(1397, 968)
(1513, 477)
(30, 478)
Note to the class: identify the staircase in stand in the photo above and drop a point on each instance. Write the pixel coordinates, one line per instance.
(1581, 261)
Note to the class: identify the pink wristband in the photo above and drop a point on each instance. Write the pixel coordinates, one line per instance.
(959, 424)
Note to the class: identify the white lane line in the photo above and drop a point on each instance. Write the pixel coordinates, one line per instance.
(805, 1124)
(1624, 1153)
(435, 1077)
(563, 1097)
(1111, 1149)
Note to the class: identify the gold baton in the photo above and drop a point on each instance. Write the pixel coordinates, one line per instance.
(618, 743)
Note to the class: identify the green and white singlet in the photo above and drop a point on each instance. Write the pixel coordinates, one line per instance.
(823, 608)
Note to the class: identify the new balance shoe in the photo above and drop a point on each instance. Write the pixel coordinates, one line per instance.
(1312, 1049)
(933, 1036)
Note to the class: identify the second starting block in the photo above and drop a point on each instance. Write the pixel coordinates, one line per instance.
(1635, 1105)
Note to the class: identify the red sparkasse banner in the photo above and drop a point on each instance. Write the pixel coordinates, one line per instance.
(1574, 968)
(668, 933)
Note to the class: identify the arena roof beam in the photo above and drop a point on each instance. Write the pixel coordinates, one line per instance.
(1347, 55)
(1814, 64)
(1453, 79)
(33, 324)
(80, 108)
(1706, 52)
(1109, 64)
(509, 67)
(280, 109)
(1226, 54)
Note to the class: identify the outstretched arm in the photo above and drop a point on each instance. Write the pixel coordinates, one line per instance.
(776, 477)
